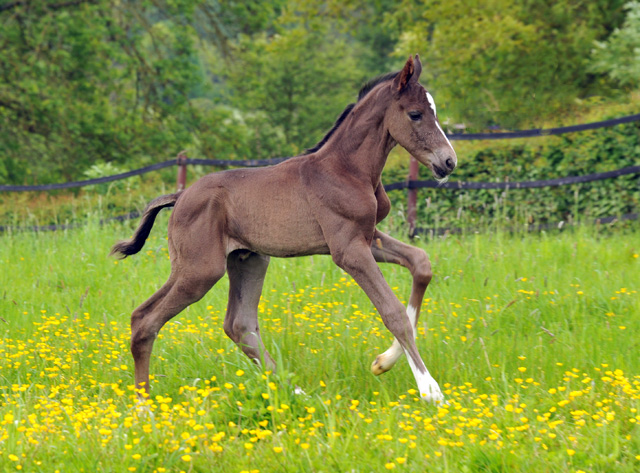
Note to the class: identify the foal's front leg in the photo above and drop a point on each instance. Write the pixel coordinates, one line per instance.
(386, 249)
(355, 257)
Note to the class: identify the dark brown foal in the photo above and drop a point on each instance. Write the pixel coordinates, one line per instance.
(326, 201)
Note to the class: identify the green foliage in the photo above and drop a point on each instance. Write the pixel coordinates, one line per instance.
(300, 78)
(99, 170)
(89, 82)
(573, 154)
(619, 55)
(507, 63)
(80, 84)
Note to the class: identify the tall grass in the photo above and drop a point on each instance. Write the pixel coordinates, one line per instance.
(532, 337)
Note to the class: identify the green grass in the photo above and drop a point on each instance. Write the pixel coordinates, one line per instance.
(533, 338)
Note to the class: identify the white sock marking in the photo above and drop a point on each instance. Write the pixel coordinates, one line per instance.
(412, 312)
(395, 351)
(428, 387)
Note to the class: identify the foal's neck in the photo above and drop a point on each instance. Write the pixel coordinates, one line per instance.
(362, 143)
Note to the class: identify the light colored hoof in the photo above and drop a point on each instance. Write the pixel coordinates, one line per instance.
(436, 398)
(142, 407)
(431, 392)
(378, 366)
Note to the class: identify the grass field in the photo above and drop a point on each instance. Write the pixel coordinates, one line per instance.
(533, 338)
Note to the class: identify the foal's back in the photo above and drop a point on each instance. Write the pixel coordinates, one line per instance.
(263, 210)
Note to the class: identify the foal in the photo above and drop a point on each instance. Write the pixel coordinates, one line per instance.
(326, 201)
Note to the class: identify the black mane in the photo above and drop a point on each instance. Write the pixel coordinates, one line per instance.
(373, 82)
(366, 88)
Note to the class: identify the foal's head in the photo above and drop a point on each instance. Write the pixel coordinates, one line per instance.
(412, 122)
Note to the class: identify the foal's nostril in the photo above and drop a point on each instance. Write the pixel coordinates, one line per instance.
(450, 164)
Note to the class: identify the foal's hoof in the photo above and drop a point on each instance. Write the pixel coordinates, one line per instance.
(431, 392)
(435, 397)
(378, 366)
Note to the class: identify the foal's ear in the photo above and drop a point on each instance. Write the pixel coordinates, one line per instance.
(417, 68)
(409, 73)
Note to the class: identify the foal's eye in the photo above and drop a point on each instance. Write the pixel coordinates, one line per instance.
(415, 116)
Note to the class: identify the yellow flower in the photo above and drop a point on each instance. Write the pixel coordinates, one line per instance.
(390, 466)
(304, 446)
(239, 373)
(277, 449)
(571, 452)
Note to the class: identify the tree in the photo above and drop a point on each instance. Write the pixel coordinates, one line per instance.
(619, 55)
(300, 77)
(88, 81)
(81, 82)
(508, 63)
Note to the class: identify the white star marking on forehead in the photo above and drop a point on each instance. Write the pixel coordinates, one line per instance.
(432, 103)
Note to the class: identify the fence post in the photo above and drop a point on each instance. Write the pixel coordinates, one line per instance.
(182, 170)
(412, 196)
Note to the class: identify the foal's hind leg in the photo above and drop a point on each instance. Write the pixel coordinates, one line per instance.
(386, 249)
(184, 287)
(246, 272)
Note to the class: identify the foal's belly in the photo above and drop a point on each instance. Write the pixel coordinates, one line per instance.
(276, 233)
(277, 223)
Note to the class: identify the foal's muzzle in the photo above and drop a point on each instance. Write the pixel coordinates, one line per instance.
(443, 162)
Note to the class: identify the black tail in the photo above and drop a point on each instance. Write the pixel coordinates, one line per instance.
(133, 245)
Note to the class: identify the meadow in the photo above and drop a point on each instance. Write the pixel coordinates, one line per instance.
(533, 338)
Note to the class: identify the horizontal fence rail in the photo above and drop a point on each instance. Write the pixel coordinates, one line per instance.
(545, 131)
(562, 181)
(90, 182)
(538, 227)
(67, 226)
(144, 170)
